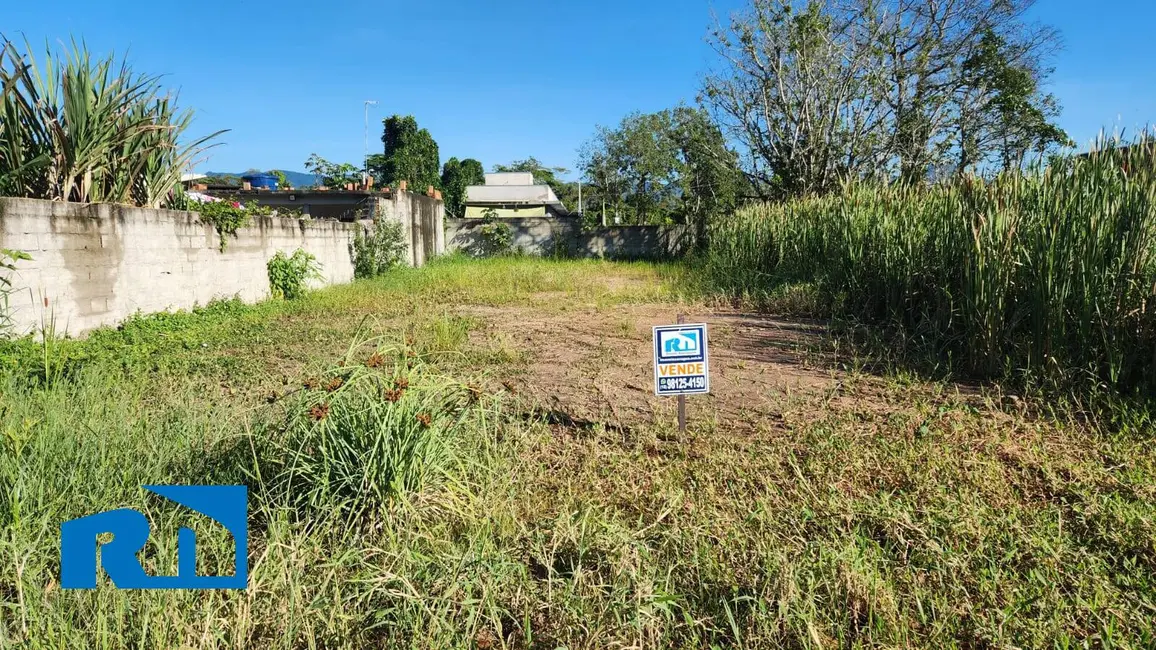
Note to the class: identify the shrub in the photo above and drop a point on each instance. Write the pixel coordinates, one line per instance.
(559, 248)
(89, 129)
(373, 427)
(288, 275)
(378, 249)
(496, 235)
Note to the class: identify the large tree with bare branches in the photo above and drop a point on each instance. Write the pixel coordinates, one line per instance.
(821, 90)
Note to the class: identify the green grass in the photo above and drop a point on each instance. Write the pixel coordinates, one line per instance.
(1043, 280)
(896, 514)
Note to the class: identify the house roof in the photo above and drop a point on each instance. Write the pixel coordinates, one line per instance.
(512, 188)
(510, 194)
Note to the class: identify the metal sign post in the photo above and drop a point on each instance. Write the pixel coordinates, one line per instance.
(681, 398)
(681, 363)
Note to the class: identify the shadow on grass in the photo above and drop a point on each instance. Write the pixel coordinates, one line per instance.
(563, 419)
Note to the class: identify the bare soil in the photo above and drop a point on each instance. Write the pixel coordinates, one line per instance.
(596, 363)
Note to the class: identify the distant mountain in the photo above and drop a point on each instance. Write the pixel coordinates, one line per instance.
(296, 179)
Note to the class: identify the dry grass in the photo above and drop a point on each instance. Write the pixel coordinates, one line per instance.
(851, 511)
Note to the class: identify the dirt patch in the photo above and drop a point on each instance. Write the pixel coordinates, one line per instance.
(595, 364)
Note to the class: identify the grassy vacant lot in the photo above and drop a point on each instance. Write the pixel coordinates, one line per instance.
(543, 498)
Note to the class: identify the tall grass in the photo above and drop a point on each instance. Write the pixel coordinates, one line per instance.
(1047, 276)
(374, 426)
(78, 128)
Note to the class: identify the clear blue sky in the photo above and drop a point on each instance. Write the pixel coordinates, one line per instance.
(493, 80)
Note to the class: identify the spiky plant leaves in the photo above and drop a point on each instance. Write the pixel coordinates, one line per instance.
(367, 433)
(79, 128)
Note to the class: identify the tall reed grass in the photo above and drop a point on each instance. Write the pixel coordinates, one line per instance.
(1046, 277)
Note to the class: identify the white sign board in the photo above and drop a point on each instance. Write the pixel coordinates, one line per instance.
(681, 362)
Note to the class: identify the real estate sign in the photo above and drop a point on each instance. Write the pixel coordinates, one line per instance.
(681, 362)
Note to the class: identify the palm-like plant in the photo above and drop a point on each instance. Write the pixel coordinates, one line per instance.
(78, 128)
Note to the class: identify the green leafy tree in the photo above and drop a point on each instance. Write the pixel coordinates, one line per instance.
(654, 167)
(710, 181)
(1008, 115)
(282, 181)
(332, 174)
(456, 177)
(411, 154)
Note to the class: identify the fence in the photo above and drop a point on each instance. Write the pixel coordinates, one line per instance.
(96, 265)
(565, 236)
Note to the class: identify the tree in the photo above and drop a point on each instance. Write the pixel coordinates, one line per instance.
(657, 166)
(823, 90)
(282, 181)
(332, 174)
(710, 182)
(1007, 115)
(456, 177)
(411, 154)
(637, 166)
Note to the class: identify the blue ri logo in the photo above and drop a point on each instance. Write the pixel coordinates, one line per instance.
(680, 343)
(80, 546)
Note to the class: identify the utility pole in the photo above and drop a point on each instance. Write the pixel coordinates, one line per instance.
(365, 160)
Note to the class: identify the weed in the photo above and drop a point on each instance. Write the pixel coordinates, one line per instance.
(1041, 280)
(356, 447)
(378, 249)
(447, 333)
(289, 275)
(874, 513)
(8, 259)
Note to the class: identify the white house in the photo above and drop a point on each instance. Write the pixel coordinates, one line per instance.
(512, 194)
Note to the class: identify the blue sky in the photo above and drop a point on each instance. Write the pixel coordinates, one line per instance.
(496, 81)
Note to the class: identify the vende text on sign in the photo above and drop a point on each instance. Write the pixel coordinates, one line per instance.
(681, 361)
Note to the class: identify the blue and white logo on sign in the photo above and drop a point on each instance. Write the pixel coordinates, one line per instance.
(679, 343)
(686, 343)
(80, 545)
(680, 360)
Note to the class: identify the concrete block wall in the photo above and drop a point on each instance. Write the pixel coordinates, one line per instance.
(533, 235)
(419, 215)
(634, 242)
(550, 235)
(422, 219)
(96, 265)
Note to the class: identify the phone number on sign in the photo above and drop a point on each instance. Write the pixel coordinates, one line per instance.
(682, 383)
